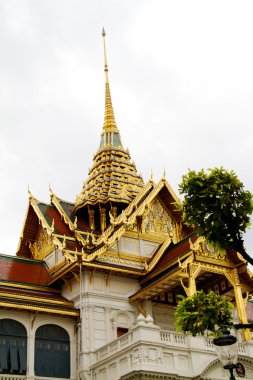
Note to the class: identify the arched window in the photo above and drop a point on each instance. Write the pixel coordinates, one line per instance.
(13, 347)
(122, 323)
(52, 352)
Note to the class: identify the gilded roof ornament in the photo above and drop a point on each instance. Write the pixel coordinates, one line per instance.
(151, 176)
(109, 119)
(29, 192)
(51, 191)
(112, 177)
(164, 175)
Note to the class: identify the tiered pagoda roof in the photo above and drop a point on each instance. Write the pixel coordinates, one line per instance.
(113, 176)
(116, 225)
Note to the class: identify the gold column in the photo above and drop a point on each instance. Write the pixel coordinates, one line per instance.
(103, 218)
(91, 218)
(114, 211)
(240, 304)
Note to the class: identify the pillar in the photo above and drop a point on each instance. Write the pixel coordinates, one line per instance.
(240, 304)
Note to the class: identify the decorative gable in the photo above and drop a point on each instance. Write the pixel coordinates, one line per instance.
(156, 220)
(43, 244)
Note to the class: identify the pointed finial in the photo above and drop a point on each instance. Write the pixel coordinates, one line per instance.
(50, 190)
(164, 174)
(105, 58)
(151, 175)
(29, 192)
(109, 126)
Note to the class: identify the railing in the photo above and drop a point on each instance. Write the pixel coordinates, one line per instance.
(167, 337)
(242, 349)
(171, 337)
(208, 342)
(115, 346)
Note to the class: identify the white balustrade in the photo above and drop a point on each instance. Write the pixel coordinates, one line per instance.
(172, 338)
(146, 347)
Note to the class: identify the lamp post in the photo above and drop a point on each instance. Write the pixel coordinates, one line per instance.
(227, 350)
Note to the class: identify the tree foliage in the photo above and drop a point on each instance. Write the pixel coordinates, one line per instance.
(203, 313)
(218, 206)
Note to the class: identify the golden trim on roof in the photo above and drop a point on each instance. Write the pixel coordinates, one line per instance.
(23, 227)
(102, 267)
(29, 287)
(141, 206)
(40, 299)
(119, 260)
(125, 219)
(159, 254)
(72, 226)
(40, 308)
(49, 229)
(206, 252)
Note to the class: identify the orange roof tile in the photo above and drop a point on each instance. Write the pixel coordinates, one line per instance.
(15, 269)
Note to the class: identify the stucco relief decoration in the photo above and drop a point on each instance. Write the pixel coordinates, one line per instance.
(132, 227)
(157, 220)
(147, 355)
(43, 245)
(203, 248)
(121, 261)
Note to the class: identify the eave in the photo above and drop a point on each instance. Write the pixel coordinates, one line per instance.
(106, 268)
(16, 306)
(35, 299)
(72, 226)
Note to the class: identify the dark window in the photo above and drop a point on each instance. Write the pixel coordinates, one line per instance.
(13, 347)
(121, 331)
(52, 352)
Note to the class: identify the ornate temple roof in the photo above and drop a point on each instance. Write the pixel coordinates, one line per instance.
(193, 255)
(24, 286)
(22, 270)
(113, 176)
(117, 226)
(55, 230)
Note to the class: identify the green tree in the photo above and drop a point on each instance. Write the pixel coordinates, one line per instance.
(218, 207)
(203, 313)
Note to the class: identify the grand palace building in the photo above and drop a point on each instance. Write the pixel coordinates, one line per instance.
(92, 290)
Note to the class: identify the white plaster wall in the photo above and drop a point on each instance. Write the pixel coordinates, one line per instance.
(104, 306)
(164, 317)
(103, 298)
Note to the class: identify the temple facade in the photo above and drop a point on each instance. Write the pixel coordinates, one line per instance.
(92, 290)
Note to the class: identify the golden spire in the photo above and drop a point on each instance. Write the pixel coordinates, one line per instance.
(105, 58)
(109, 120)
(113, 178)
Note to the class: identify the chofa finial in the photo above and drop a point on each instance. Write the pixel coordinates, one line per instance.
(29, 191)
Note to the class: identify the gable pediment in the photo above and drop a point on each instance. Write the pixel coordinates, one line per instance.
(43, 244)
(156, 220)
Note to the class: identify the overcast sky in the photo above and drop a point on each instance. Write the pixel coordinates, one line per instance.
(181, 82)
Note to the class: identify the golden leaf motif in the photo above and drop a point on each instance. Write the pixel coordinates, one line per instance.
(157, 220)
